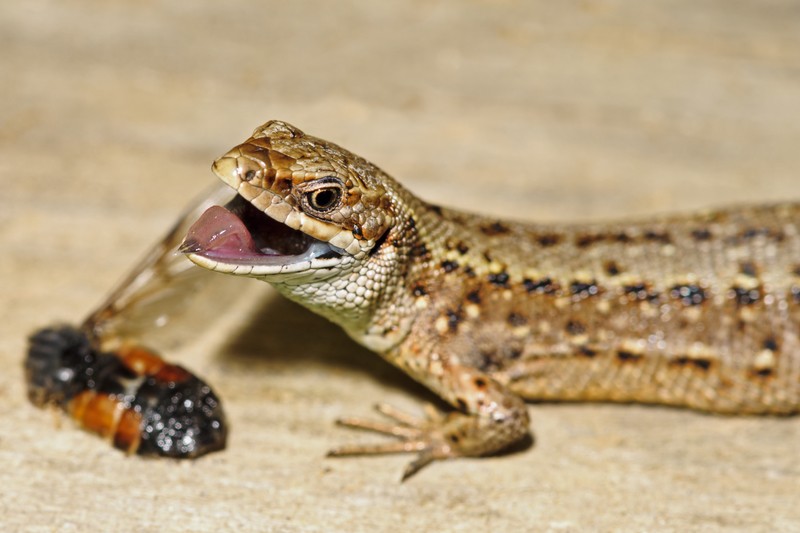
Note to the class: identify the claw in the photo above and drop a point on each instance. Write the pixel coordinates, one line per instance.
(422, 460)
(416, 435)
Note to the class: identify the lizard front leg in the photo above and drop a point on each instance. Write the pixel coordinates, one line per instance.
(488, 419)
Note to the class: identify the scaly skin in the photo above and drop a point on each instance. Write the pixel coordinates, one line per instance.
(701, 311)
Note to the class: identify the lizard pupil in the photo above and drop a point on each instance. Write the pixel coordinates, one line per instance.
(324, 199)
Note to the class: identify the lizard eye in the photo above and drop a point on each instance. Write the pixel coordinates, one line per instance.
(323, 199)
(324, 196)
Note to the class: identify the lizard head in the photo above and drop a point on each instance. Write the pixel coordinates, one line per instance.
(303, 206)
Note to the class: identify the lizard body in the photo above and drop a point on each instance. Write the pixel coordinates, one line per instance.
(701, 311)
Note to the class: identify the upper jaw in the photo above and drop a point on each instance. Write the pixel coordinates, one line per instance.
(244, 169)
(240, 239)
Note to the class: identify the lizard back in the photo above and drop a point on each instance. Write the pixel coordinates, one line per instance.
(700, 310)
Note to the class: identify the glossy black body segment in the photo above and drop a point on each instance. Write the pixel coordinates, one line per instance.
(174, 413)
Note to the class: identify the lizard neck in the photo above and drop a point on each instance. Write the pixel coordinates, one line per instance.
(367, 295)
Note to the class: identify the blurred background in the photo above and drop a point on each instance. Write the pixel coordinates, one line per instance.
(110, 116)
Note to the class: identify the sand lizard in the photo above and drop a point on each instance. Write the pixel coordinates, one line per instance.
(701, 311)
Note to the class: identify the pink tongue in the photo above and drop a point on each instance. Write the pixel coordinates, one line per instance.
(219, 232)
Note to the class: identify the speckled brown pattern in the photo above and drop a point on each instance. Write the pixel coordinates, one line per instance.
(697, 310)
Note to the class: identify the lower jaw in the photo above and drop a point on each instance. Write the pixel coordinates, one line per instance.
(240, 238)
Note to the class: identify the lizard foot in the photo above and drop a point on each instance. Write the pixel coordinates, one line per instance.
(431, 437)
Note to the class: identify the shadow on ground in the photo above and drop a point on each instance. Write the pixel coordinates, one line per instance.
(282, 333)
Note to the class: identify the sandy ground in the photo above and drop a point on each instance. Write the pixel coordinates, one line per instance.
(110, 114)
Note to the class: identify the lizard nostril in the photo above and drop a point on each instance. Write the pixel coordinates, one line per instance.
(247, 169)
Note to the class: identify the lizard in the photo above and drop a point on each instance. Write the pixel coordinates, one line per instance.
(696, 310)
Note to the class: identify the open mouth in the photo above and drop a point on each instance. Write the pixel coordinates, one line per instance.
(240, 234)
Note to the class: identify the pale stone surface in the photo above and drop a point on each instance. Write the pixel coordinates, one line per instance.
(111, 113)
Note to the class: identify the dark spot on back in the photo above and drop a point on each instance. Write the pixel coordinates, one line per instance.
(449, 266)
(469, 272)
(761, 372)
(487, 361)
(699, 363)
(548, 239)
(583, 290)
(513, 353)
(461, 404)
(770, 344)
(748, 268)
(462, 248)
(418, 250)
(585, 351)
(575, 327)
(516, 319)
(701, 234)
(474, 297)
(500, 279)
(454, 318)
(544, 286)
(702, 364)
(494, 229)
(588, 239)
(746, 296)
(688, 294)
(436, 209)
(480, 383)
(628, 357)
(419, 290)
(612, 268)
(640, 291)
(622, 237)
(657, 236)
(752, 233)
